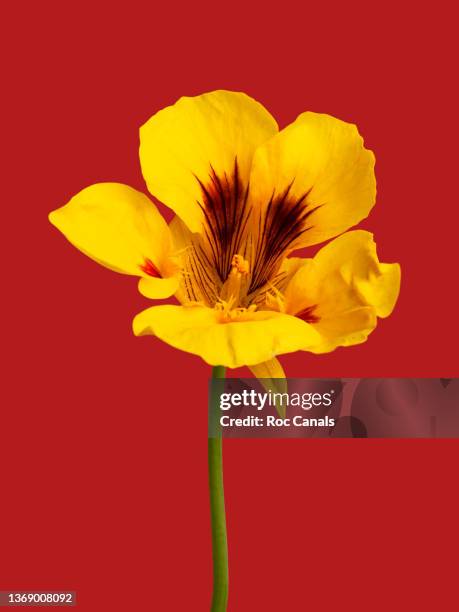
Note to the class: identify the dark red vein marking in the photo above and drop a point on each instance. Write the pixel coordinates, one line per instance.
(149, 268)
(307, 314)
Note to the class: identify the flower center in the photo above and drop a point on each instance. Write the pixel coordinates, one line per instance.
(215, 268)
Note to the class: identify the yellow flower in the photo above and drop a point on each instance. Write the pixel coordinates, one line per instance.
(245, 196)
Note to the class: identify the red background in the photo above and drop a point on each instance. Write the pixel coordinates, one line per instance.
(103, 450)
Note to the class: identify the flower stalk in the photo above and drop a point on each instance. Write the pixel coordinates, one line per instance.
(217, 513)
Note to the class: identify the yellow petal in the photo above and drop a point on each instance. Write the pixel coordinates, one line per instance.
(318, 177)
(345, 328)
(272, 376)
(183, 145)
(268, 369)
(158, 288)
(382, 289)
(119, 228)
(198, 330)
(343, 289)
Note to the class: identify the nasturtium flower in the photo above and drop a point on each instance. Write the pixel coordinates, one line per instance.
(245, 196)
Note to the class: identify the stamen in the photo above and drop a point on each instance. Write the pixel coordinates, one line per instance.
(275, 299)
(228, 314)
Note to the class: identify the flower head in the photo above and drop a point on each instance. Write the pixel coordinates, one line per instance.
(245, 195)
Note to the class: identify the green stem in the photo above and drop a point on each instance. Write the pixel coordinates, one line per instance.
(217, 512)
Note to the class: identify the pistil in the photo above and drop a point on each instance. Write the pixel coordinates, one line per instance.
(234, 287)
(233, 292)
